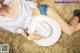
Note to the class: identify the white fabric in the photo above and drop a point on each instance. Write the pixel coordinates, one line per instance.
(22, 21)
(46, 27)
(6, 2)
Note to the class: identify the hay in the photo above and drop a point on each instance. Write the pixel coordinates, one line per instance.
(66, 44)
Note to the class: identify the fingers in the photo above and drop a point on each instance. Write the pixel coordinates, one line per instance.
(35, 36)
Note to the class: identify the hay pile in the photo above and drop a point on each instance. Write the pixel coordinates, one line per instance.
(66, 44)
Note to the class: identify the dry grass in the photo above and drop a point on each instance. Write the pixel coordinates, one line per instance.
(18, 44)
(66, 44)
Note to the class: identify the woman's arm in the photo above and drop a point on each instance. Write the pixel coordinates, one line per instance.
(66, 28)
(33, 36)
(78, 27)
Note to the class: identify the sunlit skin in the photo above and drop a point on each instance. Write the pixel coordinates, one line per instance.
(70, 28)
(0, 6)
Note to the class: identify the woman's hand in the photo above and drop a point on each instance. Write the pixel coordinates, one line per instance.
(35, 36)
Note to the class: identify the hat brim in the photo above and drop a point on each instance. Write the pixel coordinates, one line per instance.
(56, 30)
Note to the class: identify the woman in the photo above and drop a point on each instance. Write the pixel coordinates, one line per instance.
(16, 18)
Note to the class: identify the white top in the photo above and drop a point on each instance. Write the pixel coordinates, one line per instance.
(22, 21)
